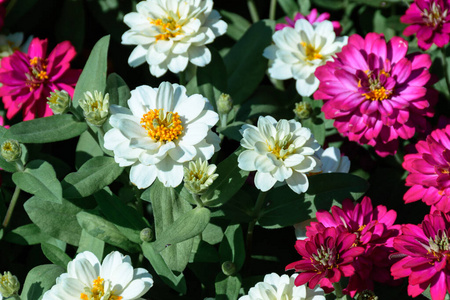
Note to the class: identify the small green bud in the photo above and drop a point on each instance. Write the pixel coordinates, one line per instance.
(146, 235)
(228, 268)
(59, 102)
(367, 295)
(9, 285)
(11, 150)
(224, 104)
(303, 110)
(95, 108)
(199, 176)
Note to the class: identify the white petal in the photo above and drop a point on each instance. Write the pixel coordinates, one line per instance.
(137, 56)
(298, 182)
(110, 262)
(191, 107)
(183, 153)
(246, 160)
(199, 56)
(264, 181)
(164, 97)
(170, 173)
(136, 289)
(178, 63)
(121, 276)
(143, 176)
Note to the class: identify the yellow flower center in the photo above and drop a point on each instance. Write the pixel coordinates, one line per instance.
(38, 72)
(378, 94)
(281, 148)
(98, 292)
(162, 127)
(7, 146)
(168, 28)
(311, 52)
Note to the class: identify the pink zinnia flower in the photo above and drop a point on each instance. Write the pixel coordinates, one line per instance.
(29, 78)
(425, 250)
(430, 21)
(312, 18)
(429, 169)
(327, 256)
(374, 230)
(375, 92)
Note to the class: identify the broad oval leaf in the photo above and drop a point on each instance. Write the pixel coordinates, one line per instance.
(39, 280)
(232, 247)
(55, 255)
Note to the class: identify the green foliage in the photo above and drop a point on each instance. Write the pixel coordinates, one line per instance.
(39, 280)
(227, 287)
(232, 247)
(55, 255)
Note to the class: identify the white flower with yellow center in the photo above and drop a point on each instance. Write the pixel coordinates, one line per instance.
(298, 52)
(279, 151)
(275, 287)
(87, 279)
(162, 131)
(171, 33)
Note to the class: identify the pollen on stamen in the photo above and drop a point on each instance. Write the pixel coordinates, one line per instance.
(162, 127)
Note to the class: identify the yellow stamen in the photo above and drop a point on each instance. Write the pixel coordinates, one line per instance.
(98, 292)
(311, 52)
(42, 75)
(378, 94)
(34, 61)
(162, 127)
(169, 28)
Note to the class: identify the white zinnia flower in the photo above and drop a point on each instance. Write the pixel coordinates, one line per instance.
(279, 151)
(163, 130)
(171, 33)
(299, 51)
(87, 279)
(332, 161)
(275, 287)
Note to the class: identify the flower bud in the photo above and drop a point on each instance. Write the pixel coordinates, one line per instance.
(95, 108)
(9, 285)
(303, 110)
(228, 268)
(146, 235)
(59, 102)
(224, 104)
(367, 295)
(199, 176)
(11, 150)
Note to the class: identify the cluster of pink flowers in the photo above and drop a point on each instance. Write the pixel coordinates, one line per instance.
(354, 241)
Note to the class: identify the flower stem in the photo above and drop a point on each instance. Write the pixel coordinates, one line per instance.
(273, 9)
(251, 226)
(197, 200)
(444, 63)
(11, 206)
(253, 10)
(338, 290)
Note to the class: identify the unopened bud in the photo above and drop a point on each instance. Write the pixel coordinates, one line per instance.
(11, 150)
(9, 285)
(146, 235)
(303, 110)
(199, 176)
(59, 102)
(95, 108)
(367, 295)
(228, 268)
(224, 104)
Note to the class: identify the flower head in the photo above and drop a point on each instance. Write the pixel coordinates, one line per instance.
(162, 131)
(430, 21)
(429, 171)
(9, 285)
(279, 151)
(275, 287)
(59, 102)
(425, 250)
(298, 51)
(332, 161)
(28, 78)
(313, 17)
(113, 279)
(199, 176)
(303, 110)
(376, 93)
(10, 150)
(326, 257)
(95, 107)
(169, 34)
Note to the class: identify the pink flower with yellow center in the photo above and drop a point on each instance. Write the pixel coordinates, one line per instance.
(375, 93)
(28, 78)
(430, 21)
(426, 255)
(313, 17)
(429, 169)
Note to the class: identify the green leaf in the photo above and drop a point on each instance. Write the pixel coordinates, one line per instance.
(177, 283)
(246, 66)
(93, 76)
(230, 180)
(104, 230)
(39, 178)
(87, 147)
(90, 243)
(227, 287)
(289, 7)
(71, 23)
(261, 104)
(237, 25)
(204, 252)
(93, 176)
(55, 255)
(28, 234)
(46, 130)
(118, 90)
(316, 123)
(127, 220)
(232, 247)
(57, 220)
(39, 280)
(231, 131)
(213, 234)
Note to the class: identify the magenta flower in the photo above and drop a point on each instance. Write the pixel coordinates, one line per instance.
(429, 20)
(429, 169)
(28, 78)
(327, 256)
(374, 230)
(312, 18)
(426, 252)
(375, 92)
